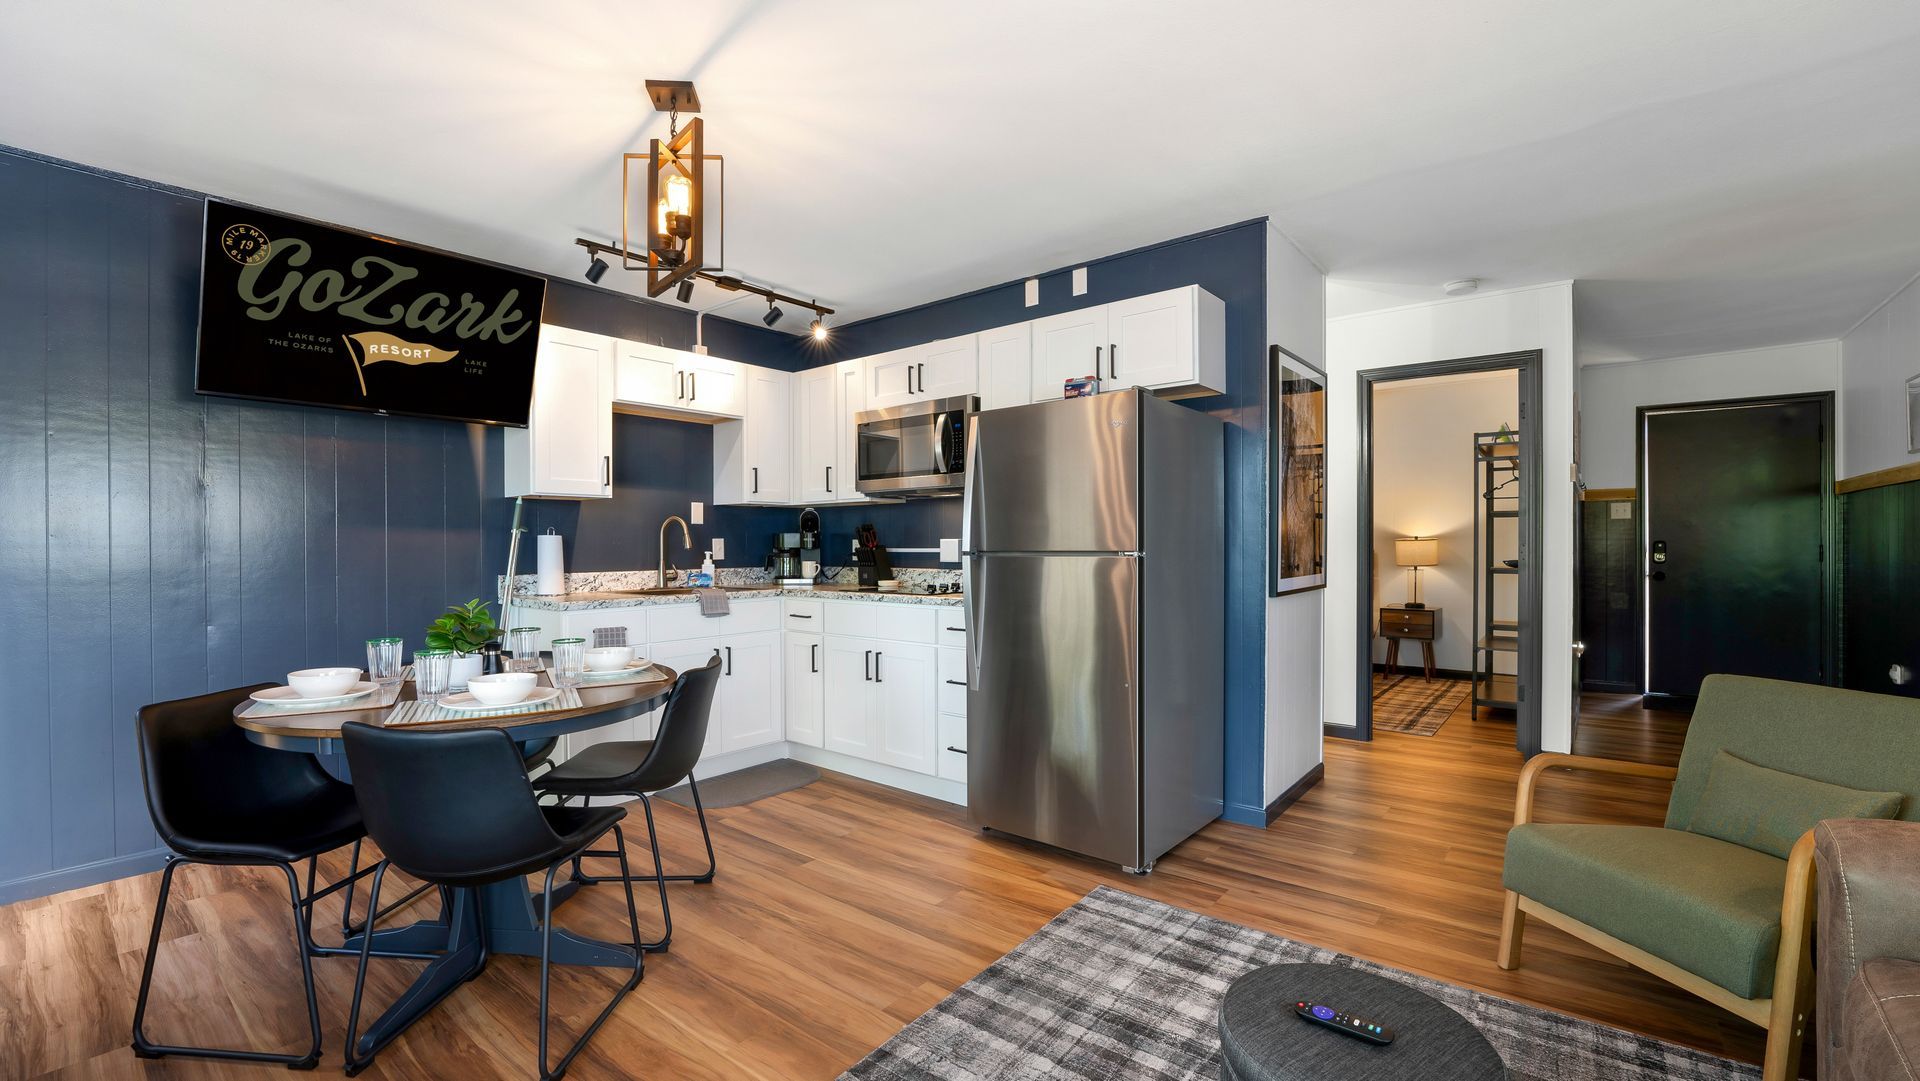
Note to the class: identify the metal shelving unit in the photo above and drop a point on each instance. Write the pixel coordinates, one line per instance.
(1497, 627)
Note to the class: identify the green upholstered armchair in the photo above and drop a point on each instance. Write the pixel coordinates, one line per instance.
(1719, 900)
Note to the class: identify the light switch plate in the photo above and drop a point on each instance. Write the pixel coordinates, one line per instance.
(719, 548)
(1619, 510)
(1033, 292)
(1080, 281)
(699, 515)
(949, 549)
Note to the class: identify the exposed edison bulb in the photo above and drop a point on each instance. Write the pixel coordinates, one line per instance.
(679, 194)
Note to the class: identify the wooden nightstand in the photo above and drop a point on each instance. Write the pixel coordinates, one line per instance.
(1398, 622)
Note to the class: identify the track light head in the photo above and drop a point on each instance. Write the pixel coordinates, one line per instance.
(685, 292)
(596, 270)
(818, 329)
(773, 314)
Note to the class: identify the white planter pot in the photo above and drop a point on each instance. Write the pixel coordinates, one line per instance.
(465, 667)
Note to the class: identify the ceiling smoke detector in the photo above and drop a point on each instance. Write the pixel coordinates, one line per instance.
(1460, 287)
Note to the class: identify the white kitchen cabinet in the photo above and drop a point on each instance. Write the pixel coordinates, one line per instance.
(924, 373)
(806, 688)
(1006, 366)
(816, 433)
(753, 456)
(1067, 346)
(655, 379)
(952, 751)
(847, 711)
(566, 449)
(1173, 343)
(903, 704)
(683, 656)
(747, 704)
(851, 376)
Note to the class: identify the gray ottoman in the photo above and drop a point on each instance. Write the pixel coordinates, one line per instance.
(1261, 1039)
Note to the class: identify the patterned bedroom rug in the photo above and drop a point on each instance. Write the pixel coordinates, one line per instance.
(1414, 705)
(1121, 987)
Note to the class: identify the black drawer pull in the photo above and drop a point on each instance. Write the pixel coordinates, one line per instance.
(796, 615)
(956, 683)
(956, 750)
(958, 630)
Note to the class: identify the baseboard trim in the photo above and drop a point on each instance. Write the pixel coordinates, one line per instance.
(1341, 731)
(1244, 814)
(1295, 790)
(86, 874)
(892, 776)
(1603, 686)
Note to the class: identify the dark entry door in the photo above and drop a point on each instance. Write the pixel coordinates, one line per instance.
(1735, 530)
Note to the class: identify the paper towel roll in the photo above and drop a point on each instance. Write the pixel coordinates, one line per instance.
(550, 576)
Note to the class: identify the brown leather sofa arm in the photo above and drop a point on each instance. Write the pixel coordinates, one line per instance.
(1540, 763)
(1869, 894)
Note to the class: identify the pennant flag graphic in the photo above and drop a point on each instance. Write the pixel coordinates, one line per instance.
(376, 346)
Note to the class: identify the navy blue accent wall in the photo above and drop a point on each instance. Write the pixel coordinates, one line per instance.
(156, 544)
(1230, 263)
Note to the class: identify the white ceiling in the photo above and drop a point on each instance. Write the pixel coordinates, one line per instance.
(1715, 174)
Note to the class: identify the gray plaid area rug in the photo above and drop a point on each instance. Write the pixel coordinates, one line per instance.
(1120, 987)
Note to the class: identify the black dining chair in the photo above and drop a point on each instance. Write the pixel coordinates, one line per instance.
(641, 767)
(216, 797)
(454, 810)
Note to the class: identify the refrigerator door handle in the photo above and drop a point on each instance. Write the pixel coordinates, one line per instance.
(970, 597)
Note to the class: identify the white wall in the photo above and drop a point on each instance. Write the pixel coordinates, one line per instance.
(1877, 358)
(1535, 317)
(1296, 321)
(1424, 485)
(1610, 393)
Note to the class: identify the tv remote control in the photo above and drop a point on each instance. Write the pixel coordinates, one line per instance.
(1371, 1031)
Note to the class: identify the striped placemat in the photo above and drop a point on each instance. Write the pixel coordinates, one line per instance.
(418, 712)
(637, 675)
(381, 698)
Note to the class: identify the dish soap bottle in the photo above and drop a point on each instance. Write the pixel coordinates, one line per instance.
(703, 577)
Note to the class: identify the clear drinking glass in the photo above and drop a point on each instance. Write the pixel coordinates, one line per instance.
(524, 644)
(383, 660)
(432, 673)
(569, 660)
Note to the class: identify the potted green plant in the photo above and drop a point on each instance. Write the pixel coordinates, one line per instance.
(464, 629)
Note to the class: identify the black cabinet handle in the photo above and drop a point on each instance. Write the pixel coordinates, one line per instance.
(756, 480)
(681, 393)
(866, 667)
(829, 478)
(606, 471)
(956, 750)
(909, 379)
(961, 630)
(923, 377)
(796, 615)
(876, 667)
(956, 683)
(729, 660)
(1113, 361)
(693, 385)
(814, 650)
(1096, 360)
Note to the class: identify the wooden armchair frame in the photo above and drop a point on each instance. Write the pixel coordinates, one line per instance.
(1784, 1015)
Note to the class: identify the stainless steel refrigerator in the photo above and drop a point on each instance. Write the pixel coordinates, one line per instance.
(1094, 543)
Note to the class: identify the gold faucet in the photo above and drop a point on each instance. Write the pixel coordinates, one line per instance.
(686, 541)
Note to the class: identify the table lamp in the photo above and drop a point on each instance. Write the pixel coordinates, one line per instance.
(1414, 553)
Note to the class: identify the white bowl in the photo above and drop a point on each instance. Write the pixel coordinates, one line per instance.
(609, 658)
(501, 688)
(323, 682)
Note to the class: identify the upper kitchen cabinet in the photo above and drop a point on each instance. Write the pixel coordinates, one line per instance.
(1068, 346)
(672, 382)
(1006, 366)
(825, 400)
(753, 456)
(1172, 343)
(566, 449)
(922, 373)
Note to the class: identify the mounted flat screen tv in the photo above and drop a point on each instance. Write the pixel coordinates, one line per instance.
(296, 311)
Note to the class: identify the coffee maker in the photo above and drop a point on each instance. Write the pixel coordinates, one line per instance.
(784, 560)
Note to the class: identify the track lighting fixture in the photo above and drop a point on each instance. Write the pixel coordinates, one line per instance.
(685, 291)
(773, 314)
(727, 282)
(596, 270)
(818, 329)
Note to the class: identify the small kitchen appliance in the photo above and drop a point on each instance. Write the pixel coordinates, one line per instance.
(784, 560)
(870, 558)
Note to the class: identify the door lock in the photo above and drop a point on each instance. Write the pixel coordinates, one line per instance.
(1659, 551)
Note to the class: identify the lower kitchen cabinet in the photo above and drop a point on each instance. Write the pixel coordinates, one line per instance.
(806, 689)
(879, 701)
(746, 705)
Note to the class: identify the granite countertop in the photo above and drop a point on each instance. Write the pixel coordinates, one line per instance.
(613, 589)
(588, 599)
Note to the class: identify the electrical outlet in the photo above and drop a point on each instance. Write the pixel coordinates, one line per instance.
(1080, 281)
(719, 547)
(1033, 292)
(699, 514)
(949, 549)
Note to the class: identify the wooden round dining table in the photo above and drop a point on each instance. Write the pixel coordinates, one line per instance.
(510, 910)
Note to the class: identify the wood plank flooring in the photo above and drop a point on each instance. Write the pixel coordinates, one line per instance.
(844, 909)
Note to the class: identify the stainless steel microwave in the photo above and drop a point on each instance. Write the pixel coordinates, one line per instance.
(914, 449)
